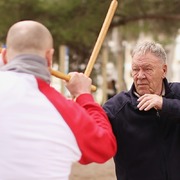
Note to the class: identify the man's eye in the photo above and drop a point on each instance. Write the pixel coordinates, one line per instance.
(135, 70)
(148, 69)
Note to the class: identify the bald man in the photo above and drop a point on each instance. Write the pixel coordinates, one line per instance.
(29, 37)
(41, 132)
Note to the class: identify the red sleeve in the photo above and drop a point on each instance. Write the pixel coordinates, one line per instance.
(101, 144)
(88, 122)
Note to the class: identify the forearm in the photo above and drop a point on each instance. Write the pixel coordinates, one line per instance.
(171, 107)
(99, 132)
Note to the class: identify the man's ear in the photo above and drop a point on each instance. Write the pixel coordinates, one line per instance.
(4, 57)
(164, 70)
(49, 56)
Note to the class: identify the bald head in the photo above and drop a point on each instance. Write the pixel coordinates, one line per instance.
(28, 37)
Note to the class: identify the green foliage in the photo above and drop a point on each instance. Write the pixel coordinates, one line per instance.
(77, 23)
(160, 18)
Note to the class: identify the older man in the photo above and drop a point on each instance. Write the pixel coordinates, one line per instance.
(146, 119)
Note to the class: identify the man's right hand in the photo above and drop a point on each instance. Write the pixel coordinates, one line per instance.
(78, 84)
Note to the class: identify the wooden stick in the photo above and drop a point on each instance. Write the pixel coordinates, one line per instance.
(101, 37)
(97, 46)
(66, 77)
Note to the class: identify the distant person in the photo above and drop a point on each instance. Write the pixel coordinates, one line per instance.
(146, 119)
(111, 80)
(41, 132)
(111, 88)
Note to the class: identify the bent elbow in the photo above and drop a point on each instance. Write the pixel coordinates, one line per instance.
(100, 153)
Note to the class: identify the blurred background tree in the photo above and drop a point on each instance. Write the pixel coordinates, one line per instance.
(77, 23)
(156, 17)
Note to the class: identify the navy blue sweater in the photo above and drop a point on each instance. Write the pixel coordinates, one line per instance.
(148, 141)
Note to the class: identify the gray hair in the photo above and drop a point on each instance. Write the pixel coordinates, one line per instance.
(152, 47)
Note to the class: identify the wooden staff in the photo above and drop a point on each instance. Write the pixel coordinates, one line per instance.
(66, 77)
(101, 37)
(97, 46)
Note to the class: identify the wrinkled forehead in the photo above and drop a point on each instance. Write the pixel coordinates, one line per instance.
(147, 58)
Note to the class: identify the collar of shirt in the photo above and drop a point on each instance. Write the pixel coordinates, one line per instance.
(162, 92)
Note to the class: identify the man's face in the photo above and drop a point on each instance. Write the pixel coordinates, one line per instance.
(148, 72)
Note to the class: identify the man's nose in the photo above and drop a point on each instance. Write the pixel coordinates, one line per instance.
(141, 74)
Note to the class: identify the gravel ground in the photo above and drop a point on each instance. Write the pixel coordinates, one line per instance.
(93, 171)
